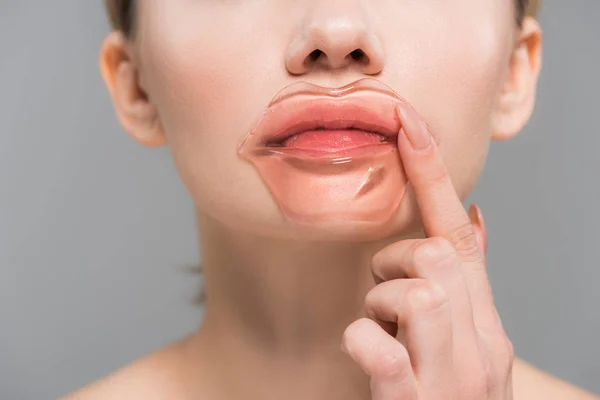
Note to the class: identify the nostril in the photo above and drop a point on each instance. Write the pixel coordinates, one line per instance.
(357, 54)
(315, 54)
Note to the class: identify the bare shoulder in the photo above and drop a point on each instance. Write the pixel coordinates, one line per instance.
(155, 376)
(158, 376)
(531, 383)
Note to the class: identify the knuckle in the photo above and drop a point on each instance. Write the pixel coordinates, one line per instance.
(427, 296)
(434, 251)
(510, 351)
(371, 301)
(357, 328)
(466, 242)
(488, 386)
(482, 384)
(353, 331)
(439, 175)
(378, 260)
(386, 263)
(507, 355)
(347, 335)
(353, 338)
(389, 366)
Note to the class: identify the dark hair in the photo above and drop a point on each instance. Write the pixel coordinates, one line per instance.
(122, 13)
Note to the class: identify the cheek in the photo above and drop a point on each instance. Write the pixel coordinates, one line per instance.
(209, 93)
(454, 80)
(473, 74)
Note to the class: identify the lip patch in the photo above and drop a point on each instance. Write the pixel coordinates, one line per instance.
(330, 155)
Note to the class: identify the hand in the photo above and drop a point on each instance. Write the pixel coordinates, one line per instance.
(435, 294)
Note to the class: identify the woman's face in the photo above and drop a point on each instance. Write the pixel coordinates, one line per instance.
(210, 68)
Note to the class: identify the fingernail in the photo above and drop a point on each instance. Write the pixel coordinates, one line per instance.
(476, 217)
(416, 132)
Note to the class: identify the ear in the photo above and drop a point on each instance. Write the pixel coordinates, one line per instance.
(137, 115)
(517, 98)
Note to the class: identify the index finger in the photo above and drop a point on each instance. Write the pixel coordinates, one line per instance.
(442, 212)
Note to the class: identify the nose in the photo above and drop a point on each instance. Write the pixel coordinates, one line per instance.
(335, 34)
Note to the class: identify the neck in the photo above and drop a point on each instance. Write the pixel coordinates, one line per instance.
(284, 305)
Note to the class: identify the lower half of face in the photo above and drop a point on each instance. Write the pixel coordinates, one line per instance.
(211, 69)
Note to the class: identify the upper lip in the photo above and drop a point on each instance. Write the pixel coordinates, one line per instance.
(331, 115)
(359, 105)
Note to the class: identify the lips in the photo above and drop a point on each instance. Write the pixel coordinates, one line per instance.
(309, 120)
(329, 155)
(341, 124)
(328, 140)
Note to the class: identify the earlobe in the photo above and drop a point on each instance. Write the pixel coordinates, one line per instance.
(138, 116)
(517, 99)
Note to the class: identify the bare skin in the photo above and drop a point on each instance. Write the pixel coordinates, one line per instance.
(433, 356)
(161, 375)
(280, 305)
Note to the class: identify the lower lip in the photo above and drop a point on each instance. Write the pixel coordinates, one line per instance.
(324, 143)
(341, 184)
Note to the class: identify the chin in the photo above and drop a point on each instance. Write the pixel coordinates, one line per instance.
(354, 231)
(401, 221)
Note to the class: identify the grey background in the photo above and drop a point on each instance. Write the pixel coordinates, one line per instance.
(95, 230)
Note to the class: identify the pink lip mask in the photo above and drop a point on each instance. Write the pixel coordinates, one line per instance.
(330, 155)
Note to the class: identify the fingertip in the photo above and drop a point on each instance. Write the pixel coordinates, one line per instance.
(413, 127)
(402, 131)
(400, 113)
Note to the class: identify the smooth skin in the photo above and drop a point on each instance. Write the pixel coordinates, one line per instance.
(433, 292)
(198, 75)
(436, 289)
